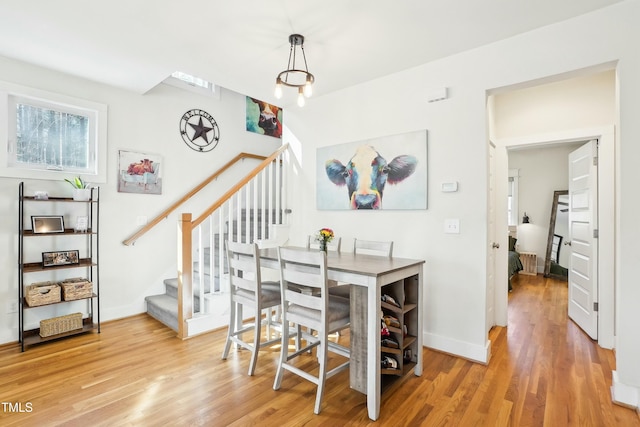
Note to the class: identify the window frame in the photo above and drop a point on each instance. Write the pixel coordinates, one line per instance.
(11, 95)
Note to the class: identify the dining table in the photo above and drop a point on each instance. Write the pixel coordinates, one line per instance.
(369, 275)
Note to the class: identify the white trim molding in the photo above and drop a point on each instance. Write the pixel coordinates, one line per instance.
(466, 350)
(623, 394)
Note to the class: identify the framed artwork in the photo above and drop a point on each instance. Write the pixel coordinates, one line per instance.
(47, 224)
(380, 173)
(264, 118)
(139, 172)
(54, 259)
(82, 224)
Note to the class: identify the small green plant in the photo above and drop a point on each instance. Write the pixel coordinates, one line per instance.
(77, 182)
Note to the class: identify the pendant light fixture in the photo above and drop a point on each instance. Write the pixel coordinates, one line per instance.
(294, 77)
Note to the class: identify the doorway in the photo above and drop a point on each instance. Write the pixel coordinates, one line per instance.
(605, 208)
(562, 109)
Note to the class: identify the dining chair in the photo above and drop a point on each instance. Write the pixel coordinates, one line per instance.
(339, 289)
(333, 245)
(373, 247)
(316, 311)
(248, 290)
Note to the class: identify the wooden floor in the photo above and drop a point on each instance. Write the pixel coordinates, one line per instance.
(543, 372)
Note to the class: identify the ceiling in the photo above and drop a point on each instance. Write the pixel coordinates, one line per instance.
(242, 45)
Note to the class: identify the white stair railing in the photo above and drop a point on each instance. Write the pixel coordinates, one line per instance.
(248, 212)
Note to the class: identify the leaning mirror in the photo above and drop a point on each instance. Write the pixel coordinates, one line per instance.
(556, 262)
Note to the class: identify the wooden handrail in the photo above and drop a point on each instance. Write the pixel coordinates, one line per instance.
(132, 240)
(239, 185)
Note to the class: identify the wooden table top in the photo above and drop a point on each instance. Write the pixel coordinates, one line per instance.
(369, 265)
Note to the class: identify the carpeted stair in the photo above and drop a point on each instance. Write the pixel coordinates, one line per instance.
(164, 307)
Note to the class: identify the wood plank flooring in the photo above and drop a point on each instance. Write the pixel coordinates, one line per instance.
(544, 371)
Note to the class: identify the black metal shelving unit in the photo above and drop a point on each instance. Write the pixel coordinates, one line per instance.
(90, 263)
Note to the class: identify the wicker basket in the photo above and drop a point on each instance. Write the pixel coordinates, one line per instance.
(76, 288)
(42, 293)
(61, 324)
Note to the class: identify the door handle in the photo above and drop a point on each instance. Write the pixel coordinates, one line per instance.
(568, 243)
(495, 245)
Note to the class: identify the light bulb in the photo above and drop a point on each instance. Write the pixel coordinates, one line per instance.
(278, 91)
(300, 98)
(308, 88)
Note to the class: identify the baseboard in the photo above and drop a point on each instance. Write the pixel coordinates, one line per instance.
(206, 323)
(623, 394)
(466, 350)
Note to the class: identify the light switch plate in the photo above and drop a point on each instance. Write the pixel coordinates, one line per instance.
(449, 187)
(452, 226)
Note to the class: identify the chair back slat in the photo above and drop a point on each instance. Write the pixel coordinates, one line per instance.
(373, 247)
(301, 269)
(244, 265)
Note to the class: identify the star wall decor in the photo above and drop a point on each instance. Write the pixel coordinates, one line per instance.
(199, 130)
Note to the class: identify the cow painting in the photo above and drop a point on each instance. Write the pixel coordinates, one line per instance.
(141, 167)
(268, 118)
(366, 174)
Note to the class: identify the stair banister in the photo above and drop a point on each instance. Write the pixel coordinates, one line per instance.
(143, 230)
(226, 196)
(185, 276)
(185, 239)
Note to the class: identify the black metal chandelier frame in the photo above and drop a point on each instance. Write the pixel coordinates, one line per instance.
(283, 78)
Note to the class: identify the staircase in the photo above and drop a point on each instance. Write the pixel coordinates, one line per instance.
(254, 209)
(164, 307)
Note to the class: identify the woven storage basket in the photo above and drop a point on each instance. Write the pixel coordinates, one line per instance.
(76, 288)
(61, 324)
(42, 293)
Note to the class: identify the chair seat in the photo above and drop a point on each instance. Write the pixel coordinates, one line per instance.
(270, 297)
(338, 315)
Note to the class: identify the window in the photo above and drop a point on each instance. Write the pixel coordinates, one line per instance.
(192, 80)
(512, 197)
(192, 84)
(50, 135)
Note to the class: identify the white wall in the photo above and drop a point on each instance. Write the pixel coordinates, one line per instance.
(147, 123)
(575, 101)
(456, 271)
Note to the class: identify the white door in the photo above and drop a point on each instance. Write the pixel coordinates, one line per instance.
(493, 246)
(583, 225)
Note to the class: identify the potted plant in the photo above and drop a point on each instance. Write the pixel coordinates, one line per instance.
(81, 190)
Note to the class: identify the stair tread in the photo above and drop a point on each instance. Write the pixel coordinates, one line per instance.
(164, 301)
(163, 308)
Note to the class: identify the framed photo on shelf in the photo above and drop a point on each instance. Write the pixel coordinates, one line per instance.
(47, 224)
(82, 224)
(54, 259)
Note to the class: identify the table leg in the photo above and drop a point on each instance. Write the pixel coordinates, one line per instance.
(373, 352)
(358, 339)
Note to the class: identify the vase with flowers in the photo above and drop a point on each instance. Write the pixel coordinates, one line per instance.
(324, 236)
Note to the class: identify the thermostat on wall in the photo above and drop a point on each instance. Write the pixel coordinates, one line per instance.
(449, 187)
